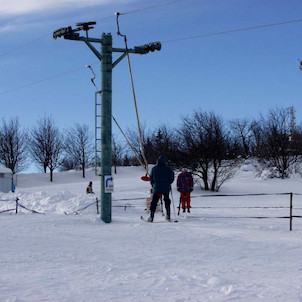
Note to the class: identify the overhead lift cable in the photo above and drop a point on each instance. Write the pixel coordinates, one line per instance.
(164, 41)
(232, 31)
(100, 19)
(24, 45)
(41, 80)
(149, 7)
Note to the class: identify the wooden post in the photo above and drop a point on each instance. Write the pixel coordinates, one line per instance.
(97, 206)
(291, 211)
(17, 205)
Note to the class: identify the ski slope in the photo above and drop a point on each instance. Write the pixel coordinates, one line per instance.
(212, 254)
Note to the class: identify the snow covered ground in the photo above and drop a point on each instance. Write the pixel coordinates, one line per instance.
(212, 254)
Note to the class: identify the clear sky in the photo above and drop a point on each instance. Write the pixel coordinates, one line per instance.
(237, 75)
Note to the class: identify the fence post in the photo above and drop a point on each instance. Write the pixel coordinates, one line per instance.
(291, 211)
(17, 205)
(97, 206)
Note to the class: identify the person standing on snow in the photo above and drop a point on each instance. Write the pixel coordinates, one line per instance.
(185, 187)
(161, 178)
(89, 188)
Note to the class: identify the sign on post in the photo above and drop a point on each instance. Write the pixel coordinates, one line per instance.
(108, 181)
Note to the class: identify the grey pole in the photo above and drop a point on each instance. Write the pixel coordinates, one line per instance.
(106, 124)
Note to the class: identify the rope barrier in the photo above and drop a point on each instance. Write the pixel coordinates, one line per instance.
(240, 195)
(196, 196)
(125, 206)
(281, 207)
(33, 211)
(242, 217)
(143, 206)
(8, 210)
(76, 212)
(126, 199)
(129, 206)
(216, 195)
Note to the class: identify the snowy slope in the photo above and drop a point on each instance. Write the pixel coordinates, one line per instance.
(206, 256)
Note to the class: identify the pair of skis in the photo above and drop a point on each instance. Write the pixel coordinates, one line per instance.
(160, 221)
(175, 220)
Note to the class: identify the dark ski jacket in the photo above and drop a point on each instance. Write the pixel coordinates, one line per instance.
(185, 182)
(161, 176)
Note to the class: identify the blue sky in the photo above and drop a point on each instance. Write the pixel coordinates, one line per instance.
(237, 75)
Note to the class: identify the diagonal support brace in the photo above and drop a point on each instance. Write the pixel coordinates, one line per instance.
(119, 60)
(94, 50)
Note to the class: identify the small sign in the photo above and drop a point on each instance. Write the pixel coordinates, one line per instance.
(108, 180)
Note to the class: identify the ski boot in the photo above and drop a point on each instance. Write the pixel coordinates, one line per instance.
(150, 219)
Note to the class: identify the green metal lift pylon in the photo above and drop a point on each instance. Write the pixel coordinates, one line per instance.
(105, 56)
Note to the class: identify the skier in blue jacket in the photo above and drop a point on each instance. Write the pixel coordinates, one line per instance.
(161, 178)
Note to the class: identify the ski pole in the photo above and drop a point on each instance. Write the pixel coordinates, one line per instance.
(179, 205)
(173, 206)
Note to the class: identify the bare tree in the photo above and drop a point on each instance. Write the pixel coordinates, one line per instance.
(161, 141)
(68, 164)
(257, 138)
(126, 160)
(165, 143)
(205, 146)
(117, 153)
(242, 133)
(46, 145)
(135, 145)
(79, 147)
(13, 140)
(276, 145)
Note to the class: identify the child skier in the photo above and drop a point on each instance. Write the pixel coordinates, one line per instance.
(185, 187)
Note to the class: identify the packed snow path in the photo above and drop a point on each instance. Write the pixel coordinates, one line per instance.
(79, 258)
(76, 258)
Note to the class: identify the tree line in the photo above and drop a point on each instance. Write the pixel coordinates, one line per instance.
(210, 147)
(46, 146)
(214, 149)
